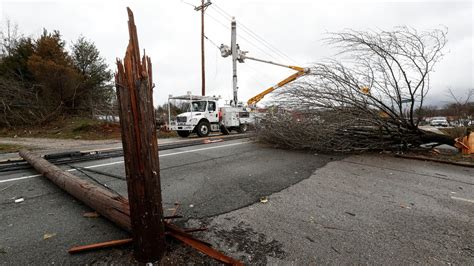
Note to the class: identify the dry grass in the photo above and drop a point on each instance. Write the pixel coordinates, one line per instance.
(162, 134)
(71, 128)
(6, 148)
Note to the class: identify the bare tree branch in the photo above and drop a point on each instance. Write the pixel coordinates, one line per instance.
(366, 102)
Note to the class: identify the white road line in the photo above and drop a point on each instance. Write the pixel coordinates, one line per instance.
(119, 162)
(463, 199)
(208, 148)
(18, 178)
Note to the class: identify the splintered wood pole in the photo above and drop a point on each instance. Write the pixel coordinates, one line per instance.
(134, 86)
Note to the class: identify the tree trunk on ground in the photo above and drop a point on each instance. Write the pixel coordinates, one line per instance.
(437, 138)
(329, 131)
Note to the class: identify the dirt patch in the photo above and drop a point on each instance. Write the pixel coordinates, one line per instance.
(245, 239)
(176, 254)
(249, 246)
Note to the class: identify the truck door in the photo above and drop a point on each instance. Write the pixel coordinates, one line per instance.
(212, 112)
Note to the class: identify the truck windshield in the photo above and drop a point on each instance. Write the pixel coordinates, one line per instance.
(198, 106)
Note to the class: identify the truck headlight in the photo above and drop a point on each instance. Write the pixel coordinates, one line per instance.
(194, 120)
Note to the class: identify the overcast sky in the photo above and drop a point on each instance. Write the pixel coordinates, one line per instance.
(170, 33)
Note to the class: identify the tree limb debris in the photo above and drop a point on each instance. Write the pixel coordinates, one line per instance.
(108, 244)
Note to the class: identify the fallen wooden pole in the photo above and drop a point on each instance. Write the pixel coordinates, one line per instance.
(110, 205)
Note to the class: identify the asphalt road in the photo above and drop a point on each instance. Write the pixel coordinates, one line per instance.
(366, 209)
(207, 180)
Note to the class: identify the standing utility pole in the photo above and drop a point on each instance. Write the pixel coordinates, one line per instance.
(237, 55)
(202, 7)
(234, 48)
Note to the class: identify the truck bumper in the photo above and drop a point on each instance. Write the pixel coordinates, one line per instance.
(175, 128)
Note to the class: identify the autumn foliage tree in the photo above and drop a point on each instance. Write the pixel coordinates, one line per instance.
(53, 69)
(41, 80)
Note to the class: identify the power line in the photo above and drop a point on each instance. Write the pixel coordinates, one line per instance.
(218, 21)
(227, 14)
(271, 47)
(261, 73)
(248, 66)
(213, 43)
(241, 37)
(252, 33)
(182, 1)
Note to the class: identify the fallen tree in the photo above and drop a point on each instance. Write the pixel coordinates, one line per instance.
(367, 102)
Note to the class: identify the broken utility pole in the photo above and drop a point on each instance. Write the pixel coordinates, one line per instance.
(134, 86)
(113, 207)
(142, 213)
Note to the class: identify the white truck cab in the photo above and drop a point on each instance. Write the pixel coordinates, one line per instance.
(203, 115)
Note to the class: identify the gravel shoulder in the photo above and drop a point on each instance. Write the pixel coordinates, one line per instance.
(365, 209)
(47, 145)
(51, 145)
(58, 144)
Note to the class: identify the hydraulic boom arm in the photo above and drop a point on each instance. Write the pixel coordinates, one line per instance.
(300, 72)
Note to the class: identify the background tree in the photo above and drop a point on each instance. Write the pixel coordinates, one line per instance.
(176, 108)
(53, 69)
(9, 37)
(366, 102)
(14, 53)
(41, 80)
(461, 108)
(17, 92)
(15, 64)
(428, 111)
(96, 77)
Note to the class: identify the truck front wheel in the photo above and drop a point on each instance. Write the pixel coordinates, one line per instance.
(203, 129)
(184, 133)
(242, 128)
